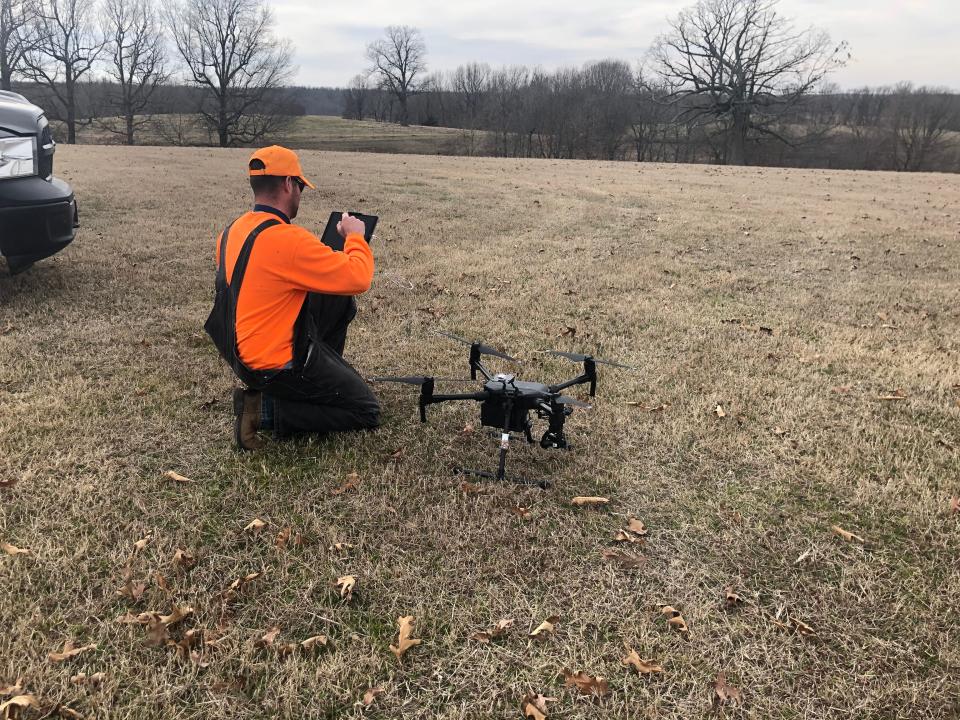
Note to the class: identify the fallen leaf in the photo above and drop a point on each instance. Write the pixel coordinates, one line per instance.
(237, 586)
(397, 456)
(725, 693)
(314, 643)
(176, 477)
(719, 412)
(13, 549)
(802, 628)
(19, 701)
(636, 527)
(184, 560)
(627, 537)
(643, 667)
(131, 590)
(778, 431)
(675, 620)
(521, 512)
(545, 629)
(139, 545)
(161, 582)
(255, 526)
(841, 389)
(731, 599)
(535, 706)
(157, 633)
(190, 639)
(176, 615)
(493, 633)
(846, 534)
(6, 690)
(405, 641)
(568, 331)
(586, 684)
(590, 501)
(895, 395)
(346, 584)
(69, 651)
(352, 481)
(282, 537)
(467, 429)
(371, 695)
(4, 484)
(84, 679)
(341, 547)
(955, 504)
(268, 638)
(469, 488)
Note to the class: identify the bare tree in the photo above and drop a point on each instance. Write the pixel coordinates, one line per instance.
(136, 64)
(739, 64)
(610, 87)
(470, 83)
(397, 61)
(919, 122)
(67, 44)
(16, 38)
(230, 52)
(357, 97)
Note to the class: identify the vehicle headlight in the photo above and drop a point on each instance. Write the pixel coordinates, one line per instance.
(18, 157)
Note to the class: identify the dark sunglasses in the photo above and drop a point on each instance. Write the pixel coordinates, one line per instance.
(300, 183)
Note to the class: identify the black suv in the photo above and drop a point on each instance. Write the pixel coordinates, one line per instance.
(38, 213)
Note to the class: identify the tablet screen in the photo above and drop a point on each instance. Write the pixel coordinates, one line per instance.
(331, 238)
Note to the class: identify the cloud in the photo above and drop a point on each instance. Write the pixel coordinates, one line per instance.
(890, 40)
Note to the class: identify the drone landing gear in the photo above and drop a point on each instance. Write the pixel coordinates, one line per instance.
(501, 474)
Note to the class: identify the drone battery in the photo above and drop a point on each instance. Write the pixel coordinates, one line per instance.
(493, 413)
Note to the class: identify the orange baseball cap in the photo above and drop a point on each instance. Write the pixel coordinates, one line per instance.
(278, 160)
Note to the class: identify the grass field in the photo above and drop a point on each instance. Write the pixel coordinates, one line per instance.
(818, 309)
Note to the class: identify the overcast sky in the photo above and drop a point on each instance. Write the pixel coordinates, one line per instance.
(891, 40)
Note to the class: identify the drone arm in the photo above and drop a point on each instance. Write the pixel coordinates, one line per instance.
(426, 397)
(476, 365)
(589, 376)
(479, 396)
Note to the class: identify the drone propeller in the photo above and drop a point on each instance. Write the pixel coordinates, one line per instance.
(484, 349)
(577, 357)
(417, 379)
(567, 400)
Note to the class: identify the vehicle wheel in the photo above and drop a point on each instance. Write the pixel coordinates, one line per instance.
(17, 264)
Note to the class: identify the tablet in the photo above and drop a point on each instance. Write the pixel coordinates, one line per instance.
(331, 238)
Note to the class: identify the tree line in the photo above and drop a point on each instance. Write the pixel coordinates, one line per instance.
(729, 81)
(231, 68)
(608, 111)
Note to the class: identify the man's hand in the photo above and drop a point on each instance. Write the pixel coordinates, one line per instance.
(349, 224)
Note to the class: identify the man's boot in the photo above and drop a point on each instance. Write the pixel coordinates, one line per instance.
(246, 409)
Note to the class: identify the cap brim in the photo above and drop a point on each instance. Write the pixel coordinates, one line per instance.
(308, 183)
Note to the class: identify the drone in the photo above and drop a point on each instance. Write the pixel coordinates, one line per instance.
(507, 403)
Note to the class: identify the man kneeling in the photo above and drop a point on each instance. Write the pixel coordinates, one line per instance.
(284, 301)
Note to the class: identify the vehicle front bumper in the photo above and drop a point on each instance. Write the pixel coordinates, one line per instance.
(37, 219)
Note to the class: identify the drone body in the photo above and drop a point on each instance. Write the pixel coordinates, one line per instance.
(507, 403)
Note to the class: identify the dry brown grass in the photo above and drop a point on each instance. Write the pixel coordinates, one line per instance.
(107, 381)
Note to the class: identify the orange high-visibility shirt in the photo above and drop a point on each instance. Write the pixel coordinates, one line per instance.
(286, 263)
